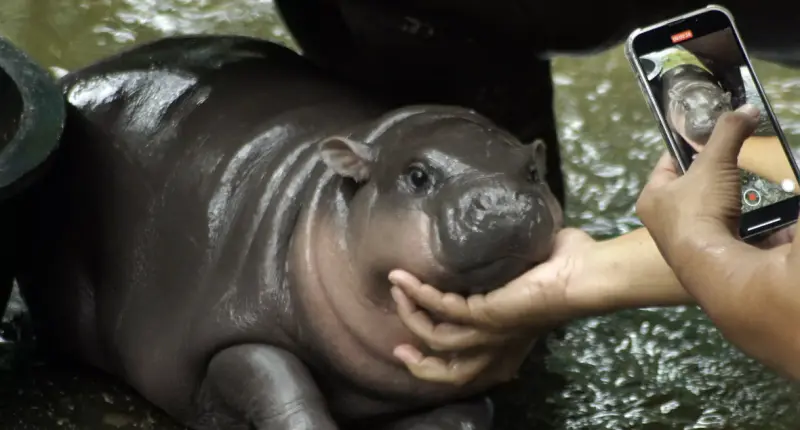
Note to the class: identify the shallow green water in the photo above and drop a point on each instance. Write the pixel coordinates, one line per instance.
(649, 369)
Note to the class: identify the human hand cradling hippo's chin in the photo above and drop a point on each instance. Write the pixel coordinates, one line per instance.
(494, 331)
(694, 256)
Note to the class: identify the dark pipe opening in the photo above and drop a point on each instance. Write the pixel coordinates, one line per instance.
(11, 106)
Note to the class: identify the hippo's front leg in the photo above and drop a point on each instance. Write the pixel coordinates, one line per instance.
(466, 415)
(265, 388)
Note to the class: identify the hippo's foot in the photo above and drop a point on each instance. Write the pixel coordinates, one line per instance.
(260, 387)
(474, 414)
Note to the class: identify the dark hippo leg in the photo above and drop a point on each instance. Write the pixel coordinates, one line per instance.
(474, 414)
(262, 388)
(266, 388)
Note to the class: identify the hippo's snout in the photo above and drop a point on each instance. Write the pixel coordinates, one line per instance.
(491, 233)
(506, 212)
(700, 125)
(704, 121)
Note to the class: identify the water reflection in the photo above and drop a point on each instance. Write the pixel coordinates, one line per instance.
(649, 369)
(71, 33)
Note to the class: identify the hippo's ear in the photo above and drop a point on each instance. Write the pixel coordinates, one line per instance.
(539, 149)
(726, 97)
(346, 157)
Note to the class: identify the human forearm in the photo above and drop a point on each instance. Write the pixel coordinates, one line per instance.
(626, 272)
(750, 295)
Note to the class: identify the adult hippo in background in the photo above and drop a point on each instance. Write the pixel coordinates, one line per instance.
(493, 56)
(221, 219)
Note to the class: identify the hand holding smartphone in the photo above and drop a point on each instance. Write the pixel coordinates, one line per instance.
(692, 69)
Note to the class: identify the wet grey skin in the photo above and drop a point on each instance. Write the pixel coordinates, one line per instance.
(221, 218)
(693, 102)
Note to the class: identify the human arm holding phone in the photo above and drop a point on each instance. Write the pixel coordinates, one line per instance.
(752, 295)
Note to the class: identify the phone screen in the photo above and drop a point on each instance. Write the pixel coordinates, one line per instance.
(697, 69)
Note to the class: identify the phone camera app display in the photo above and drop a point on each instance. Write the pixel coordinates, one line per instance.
(698, 79)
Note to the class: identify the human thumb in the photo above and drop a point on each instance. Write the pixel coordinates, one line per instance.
(730, 132)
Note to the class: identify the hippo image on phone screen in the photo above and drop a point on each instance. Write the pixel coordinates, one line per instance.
(694, 101)
(221, 218)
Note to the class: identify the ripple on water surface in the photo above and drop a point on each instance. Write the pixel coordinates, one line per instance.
(644, 369)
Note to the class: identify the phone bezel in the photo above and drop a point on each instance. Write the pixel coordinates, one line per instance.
(701, 22)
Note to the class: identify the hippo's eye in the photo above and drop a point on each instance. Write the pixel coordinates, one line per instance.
(417, 177)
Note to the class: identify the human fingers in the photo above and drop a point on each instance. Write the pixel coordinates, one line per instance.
(443, 336)
(664, 172)
(519, 304)
(458, 371)
(730, 132)
(452, 307)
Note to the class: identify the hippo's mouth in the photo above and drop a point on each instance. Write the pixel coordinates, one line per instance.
(491, 275)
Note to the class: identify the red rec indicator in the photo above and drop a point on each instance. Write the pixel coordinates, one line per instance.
(751, 196)
(682, 36)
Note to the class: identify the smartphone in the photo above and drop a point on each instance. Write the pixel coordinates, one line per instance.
(691, 69)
